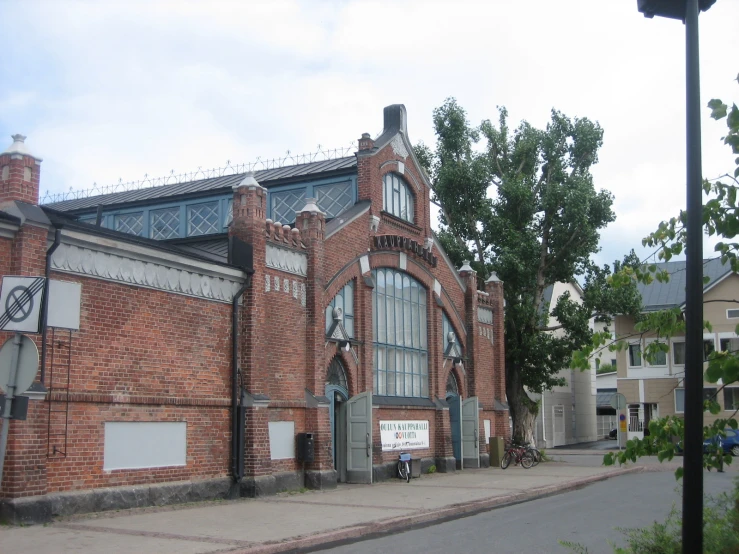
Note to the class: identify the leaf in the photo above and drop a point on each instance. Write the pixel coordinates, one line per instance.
(679, 473)
(718, 108)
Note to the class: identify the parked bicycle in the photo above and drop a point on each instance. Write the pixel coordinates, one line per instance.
(404, 466)
(518, 454)
(535, 453)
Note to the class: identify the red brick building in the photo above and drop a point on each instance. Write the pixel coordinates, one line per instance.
(350, 324)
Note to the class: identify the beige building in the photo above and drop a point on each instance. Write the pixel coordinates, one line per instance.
(655, 389)
(566, 413)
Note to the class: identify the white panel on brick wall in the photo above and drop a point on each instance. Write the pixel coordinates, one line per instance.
(281, 440)
(143, 444)
(64, 304)
(486, 423)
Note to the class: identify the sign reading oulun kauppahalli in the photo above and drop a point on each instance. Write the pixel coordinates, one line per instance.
(404, 435)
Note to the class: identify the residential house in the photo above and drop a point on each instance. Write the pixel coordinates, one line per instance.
(655, 388)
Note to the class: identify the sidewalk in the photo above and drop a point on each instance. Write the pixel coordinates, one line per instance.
(299, 520)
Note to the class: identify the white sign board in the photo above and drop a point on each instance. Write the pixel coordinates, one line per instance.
(281, 440)
(20, 303)
(486, 423)
(404, 435)
(64, 305)
(144, 444)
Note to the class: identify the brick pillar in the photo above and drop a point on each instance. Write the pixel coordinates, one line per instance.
(19, 173)
(312, 225)
(443, 449)
(249, 220)
(469, 278)
(494, 288)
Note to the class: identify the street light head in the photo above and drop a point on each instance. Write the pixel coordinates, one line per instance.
(674, 9)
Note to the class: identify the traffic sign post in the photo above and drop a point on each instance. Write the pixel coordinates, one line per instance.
(18, 366)
(21, 299)
(618, 403)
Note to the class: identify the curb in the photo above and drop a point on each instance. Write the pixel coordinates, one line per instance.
(406, 523)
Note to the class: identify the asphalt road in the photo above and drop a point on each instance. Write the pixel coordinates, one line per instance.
(587, 516)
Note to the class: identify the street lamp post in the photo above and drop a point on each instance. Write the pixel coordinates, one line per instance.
(687, 11)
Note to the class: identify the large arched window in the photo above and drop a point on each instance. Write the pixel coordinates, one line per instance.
(397, 197)
(400, 345)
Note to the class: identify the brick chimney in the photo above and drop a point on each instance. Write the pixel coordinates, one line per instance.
(19, 173)
(366, 142)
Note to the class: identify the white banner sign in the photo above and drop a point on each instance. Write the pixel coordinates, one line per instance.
(404, 435)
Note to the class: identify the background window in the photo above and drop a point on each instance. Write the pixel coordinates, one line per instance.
(731, 398)
(399, 326)
(202, 219)
(659, 358)
(635, 355)
(286, 204)
(164, 224)
(708, 348)
(333, 199)
(130, 223)
(344, 299)
(678, 353)
(397, 197)
(708, 394)
(729, 345)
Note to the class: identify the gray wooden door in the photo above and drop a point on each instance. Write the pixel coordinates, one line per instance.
(455, 421)
(471, 432)
(359, 438)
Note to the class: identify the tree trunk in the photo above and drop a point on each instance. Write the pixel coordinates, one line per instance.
(523, 410)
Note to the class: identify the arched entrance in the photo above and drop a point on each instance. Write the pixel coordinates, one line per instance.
(337, 392)
(464, 422)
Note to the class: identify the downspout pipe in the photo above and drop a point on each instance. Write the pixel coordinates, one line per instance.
(45, 315)
(237, 423)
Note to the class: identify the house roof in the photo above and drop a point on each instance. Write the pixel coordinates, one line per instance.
(660, 296)
(266, 178)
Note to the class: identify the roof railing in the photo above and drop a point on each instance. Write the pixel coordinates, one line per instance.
(290, 159)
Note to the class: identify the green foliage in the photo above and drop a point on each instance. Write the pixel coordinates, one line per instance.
(431, 469)
(521, 202)
(720, 530)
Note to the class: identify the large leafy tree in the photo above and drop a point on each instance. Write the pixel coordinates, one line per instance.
(521, 202)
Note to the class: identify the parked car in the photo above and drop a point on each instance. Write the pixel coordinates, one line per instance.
(613, 434)
(730, 442)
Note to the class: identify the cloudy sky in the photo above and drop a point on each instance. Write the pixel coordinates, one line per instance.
(113, 90)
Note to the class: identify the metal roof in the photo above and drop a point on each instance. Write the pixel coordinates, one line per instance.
(603, 399)
(266, 178)
(658, 296)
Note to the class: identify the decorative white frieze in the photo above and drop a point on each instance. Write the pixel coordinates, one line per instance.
(287, 260)
(295, 290)
(485, 315)
(286, 286)
(123, 269)
(399, 147)
(302, 294)
(487, 333)
(266, 283)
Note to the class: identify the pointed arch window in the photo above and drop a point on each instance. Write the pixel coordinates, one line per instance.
(344, 299)
(399, 326)
(450, 342)
(397, 197)
(336, 374)
(451, 384)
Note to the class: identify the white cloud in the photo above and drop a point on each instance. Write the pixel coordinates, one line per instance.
(109, 90)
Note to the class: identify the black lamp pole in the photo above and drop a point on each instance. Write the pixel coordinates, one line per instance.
(688, 10)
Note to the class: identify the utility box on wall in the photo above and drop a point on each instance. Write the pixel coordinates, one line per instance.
(306, 450)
